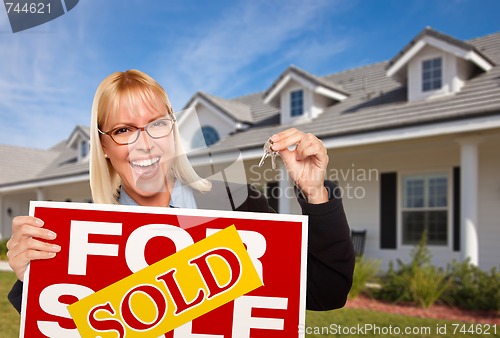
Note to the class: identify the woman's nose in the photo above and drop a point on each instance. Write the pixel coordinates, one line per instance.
(144, 142)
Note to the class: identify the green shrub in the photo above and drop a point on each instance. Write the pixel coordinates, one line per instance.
(365, 270)
(426, 285)
(473, 288)
(418, 282)
(3, 249)
(393, 285)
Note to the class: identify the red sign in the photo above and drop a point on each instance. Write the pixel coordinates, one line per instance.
(103, 244)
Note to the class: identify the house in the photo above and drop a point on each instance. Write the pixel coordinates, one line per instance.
(413, 143)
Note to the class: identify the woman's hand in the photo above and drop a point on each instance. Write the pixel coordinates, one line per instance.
(23, 247)
(306, 164)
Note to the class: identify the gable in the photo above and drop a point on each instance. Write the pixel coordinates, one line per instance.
(428, 37)
(305, 80)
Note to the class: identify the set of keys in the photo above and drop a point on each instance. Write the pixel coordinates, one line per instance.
(268, 151)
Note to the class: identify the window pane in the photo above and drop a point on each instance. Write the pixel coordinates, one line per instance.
(205, 137)
(84, 149)
(437, 227)
(435, 222)
(296, 103)
(432, 73)
(413, 226)
(438, 192)
(414, 193)
(420, 195)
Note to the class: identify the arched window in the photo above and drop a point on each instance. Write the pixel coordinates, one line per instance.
(206, 136)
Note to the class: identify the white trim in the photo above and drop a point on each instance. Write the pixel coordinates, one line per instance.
(305, 83)
(330, 93)
(269, 97)
(478, 60)
(74, 135)
(182, 117)
(399, 134)
(170, 211)
(45, 183)
(442, 45)
(405, 58)
(446, 171)
(436, 129)
(210, 107)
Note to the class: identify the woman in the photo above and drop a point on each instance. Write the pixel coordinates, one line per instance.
(137, 158)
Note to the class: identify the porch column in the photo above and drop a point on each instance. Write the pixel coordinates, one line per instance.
(40, 195)
(285, 189)
(468, 198)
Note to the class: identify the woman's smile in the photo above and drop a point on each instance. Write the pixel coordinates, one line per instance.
(145, 167)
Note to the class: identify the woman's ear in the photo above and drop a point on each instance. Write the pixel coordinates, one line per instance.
(104, 151)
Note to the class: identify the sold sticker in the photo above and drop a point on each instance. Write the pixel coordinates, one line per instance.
(171, 292)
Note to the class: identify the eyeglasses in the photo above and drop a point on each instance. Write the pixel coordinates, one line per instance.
(128, 134)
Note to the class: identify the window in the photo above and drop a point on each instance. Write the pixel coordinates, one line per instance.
(297, 103)
(425, 208)
(84, 149)
(432, 74)
(206, 136)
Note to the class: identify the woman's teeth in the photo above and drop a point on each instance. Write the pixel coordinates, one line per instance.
(145, 163)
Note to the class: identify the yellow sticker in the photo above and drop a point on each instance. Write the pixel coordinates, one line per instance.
(171, 292)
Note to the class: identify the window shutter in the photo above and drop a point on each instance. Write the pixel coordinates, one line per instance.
(456, 209)
(273, 193)
(388, 210)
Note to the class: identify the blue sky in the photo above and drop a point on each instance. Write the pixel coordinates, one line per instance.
(48, 74)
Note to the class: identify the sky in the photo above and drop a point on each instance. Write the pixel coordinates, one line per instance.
(227, 48)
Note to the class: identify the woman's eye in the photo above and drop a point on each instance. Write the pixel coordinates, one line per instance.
(159, 123)
(122, 130)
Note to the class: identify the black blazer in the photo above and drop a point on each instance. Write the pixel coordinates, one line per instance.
(330, 258)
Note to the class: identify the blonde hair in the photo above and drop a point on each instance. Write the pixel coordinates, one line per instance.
(131, 85)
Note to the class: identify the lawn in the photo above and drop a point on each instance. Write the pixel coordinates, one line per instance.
(9, 318)
(352, 322)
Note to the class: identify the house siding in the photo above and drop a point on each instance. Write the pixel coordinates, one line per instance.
(427, 155)
(203, 117)
(450, 79)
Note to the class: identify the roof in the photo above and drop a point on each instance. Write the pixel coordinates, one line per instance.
(237, 110)
(428, 31)
(375, 102)
(270, 93)
(461, 48)
(20, 163)
(378, 102)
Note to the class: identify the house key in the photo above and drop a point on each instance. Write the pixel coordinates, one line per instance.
(268, 152)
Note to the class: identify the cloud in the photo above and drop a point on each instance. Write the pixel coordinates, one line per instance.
(48, 74)
(41, 83)
(224, 52)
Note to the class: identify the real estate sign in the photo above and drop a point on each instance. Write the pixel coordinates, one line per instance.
(127, 271)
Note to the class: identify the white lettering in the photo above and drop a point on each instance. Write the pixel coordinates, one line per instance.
(256, 247)
(243, 320)
(49, 302)
(136, 243)
(80, 248)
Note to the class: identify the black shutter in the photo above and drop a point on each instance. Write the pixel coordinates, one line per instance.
(273, 194)
(456, 209)
(388, 210)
